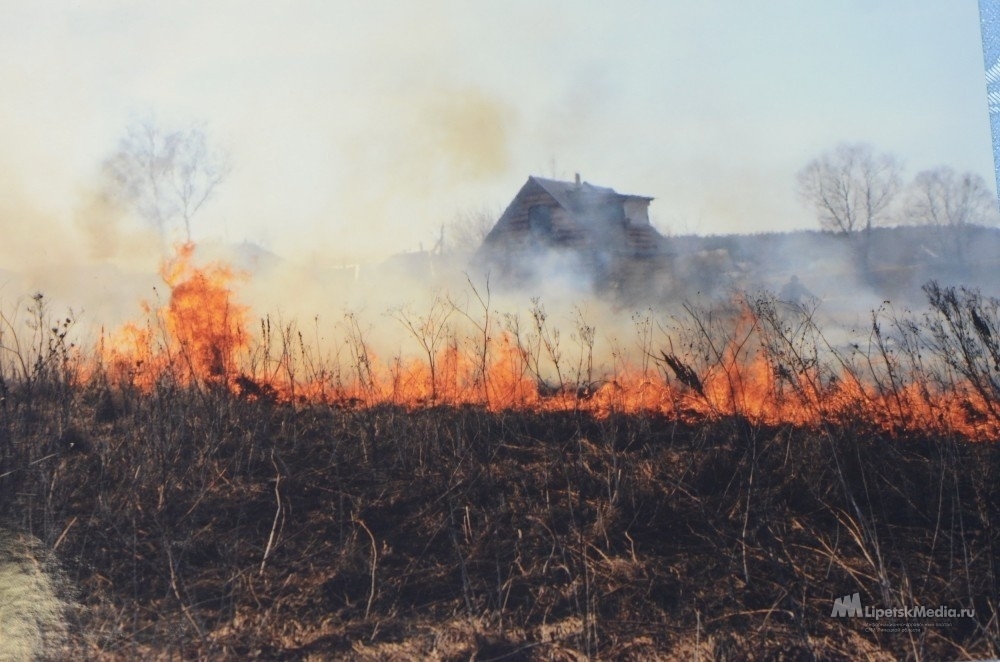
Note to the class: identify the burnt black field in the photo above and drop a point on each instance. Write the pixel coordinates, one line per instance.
(192, 523)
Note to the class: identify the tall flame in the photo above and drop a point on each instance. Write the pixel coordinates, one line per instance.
(196, 336)
(206, 325)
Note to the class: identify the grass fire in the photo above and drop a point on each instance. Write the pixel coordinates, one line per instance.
(753, 356)
(699, 481)
(499, 331)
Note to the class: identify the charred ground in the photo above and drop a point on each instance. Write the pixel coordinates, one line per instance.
(197, 523)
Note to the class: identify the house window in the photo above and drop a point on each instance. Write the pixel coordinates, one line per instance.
(540, 221)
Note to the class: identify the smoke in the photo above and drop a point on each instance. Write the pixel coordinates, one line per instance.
(32, 235)
(402, 178)
(468, 131)
(87, 255)
(111, 235)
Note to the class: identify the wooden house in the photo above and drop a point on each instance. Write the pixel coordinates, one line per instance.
(602, 235)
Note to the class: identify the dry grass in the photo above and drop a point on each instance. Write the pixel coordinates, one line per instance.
(196, 522)
(214, 527)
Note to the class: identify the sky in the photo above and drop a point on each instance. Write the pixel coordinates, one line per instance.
(355, 129)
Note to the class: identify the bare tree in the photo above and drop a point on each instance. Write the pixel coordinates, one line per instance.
(466, 232)
(950, 201)
(165, 174)
(850, 187)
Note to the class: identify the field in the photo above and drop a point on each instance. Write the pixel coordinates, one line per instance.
(215, 494)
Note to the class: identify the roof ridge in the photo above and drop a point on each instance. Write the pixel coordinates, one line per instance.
(558, 187)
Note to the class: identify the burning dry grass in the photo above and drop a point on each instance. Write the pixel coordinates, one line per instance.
(218, 496)
(755, 357)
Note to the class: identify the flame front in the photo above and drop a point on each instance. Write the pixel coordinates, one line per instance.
(200, 337)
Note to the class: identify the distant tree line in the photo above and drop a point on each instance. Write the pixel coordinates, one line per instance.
(854, 187)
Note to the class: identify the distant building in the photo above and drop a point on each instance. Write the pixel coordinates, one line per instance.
(575, 231)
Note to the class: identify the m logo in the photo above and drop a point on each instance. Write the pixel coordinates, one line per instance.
(849, 605)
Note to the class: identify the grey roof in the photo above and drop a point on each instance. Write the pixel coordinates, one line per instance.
(565, 192)
(568, 196)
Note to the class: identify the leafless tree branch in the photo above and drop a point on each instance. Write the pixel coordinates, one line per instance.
(850, 187)
(165, 174)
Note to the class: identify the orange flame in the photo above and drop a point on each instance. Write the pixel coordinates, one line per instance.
(196, 337)
(200, 335)
(206, 325)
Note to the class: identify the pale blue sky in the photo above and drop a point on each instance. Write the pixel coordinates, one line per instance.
(357, 128)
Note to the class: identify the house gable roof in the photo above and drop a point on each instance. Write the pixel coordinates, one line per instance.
(581, 201)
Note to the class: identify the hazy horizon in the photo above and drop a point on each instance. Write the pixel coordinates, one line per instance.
(357, 129)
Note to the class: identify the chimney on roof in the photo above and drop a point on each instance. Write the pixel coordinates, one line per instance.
(578, 179)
